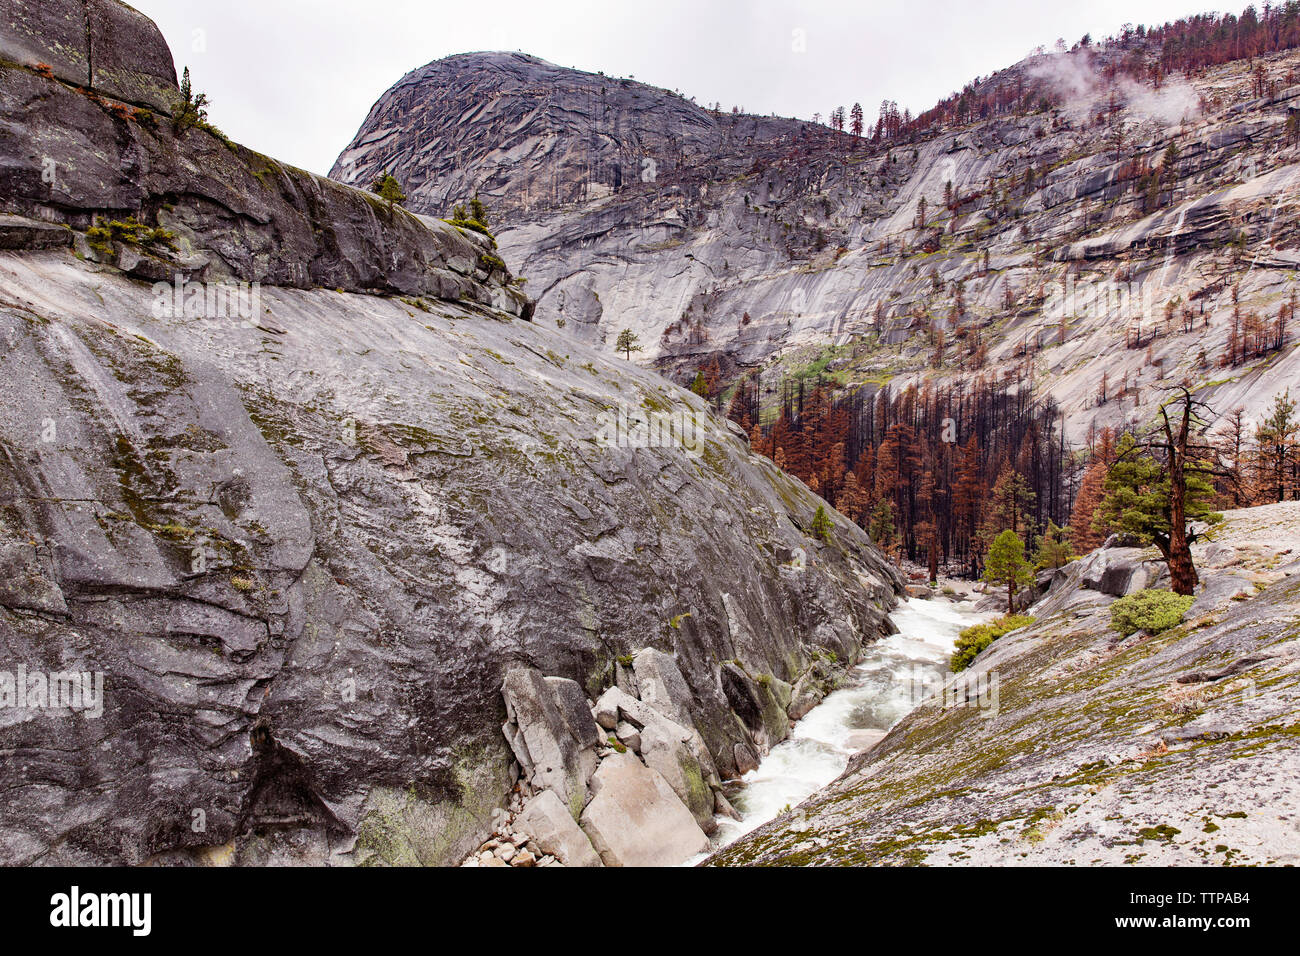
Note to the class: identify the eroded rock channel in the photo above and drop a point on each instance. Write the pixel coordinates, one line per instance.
(628, 780)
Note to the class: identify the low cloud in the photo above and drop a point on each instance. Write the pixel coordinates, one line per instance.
(1083, 91)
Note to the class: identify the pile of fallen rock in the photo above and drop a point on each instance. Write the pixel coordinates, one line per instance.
(622, 781)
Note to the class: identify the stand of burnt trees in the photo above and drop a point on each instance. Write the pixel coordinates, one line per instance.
(932, 473)
(1146, 54)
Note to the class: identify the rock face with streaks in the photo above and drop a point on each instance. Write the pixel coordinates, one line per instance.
(770, 245)
(304, 533)
(192, 202)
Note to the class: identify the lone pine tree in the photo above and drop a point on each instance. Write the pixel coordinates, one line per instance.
(1006, 567)
(1159, 485)
(627, 343)
(387, 188)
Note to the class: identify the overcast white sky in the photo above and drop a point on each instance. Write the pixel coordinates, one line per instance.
(295, 78)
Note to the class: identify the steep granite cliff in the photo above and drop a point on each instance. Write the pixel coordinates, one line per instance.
(292, 472)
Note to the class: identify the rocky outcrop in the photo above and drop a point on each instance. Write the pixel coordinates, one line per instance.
(656, 814)
(326, 574)
(191, 204)
(1119, 571)
(101, 45)
(528, 134)
(666, 748)
(551, 733)
(1067, 744)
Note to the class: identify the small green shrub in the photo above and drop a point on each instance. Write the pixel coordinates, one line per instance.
(1151, 610)
(490, 263)
(387, 188)
(190, 110)
(474, 225)
(821, 525)
(102, 235)
(979, 636)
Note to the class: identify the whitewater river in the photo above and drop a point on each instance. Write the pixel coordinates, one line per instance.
(895, 674)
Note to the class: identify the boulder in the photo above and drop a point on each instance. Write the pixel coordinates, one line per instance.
(628, 736)
(723, 808)
(756, 705)
(606, 710)
(746, 759)
(19, 232)
(811, 689)
(666, 747)
(807, 695)
(782, 691)
(617, 706)
(1116, 571)
(547, 821)
(625, 678)
(572, 703)
(662, 686)
(101, 44)
(551, 733)
(635, 818)
(1125, 577)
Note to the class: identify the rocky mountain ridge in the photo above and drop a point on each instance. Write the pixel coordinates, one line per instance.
(1034, 241)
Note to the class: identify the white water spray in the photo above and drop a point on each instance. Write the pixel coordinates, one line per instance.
(884, 689)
